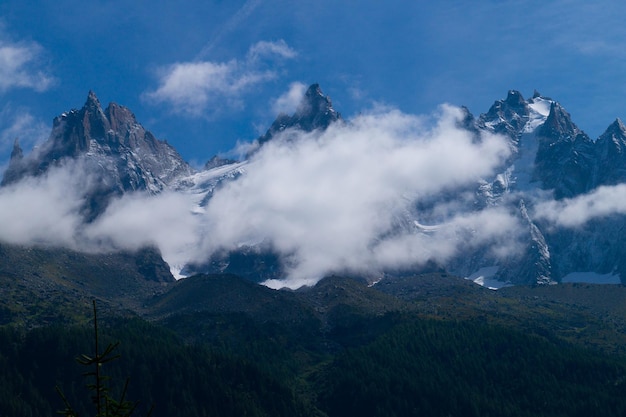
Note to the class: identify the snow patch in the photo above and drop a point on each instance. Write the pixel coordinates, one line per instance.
(541, 105)
(539, 111)
(177, 272)
(591, 278)
(485, 278)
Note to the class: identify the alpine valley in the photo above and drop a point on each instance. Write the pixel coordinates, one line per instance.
(404, 322)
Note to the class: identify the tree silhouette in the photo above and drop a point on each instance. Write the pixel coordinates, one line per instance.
(106, 405)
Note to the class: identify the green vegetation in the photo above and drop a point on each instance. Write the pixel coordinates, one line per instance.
(442, 368)
(104, 403)
(177, 379)
(221, 346)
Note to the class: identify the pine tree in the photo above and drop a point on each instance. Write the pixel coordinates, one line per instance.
(106, 405)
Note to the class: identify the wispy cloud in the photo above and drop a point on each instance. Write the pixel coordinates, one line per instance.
(22, 65)
(289, 101)
(575, 212)
(19, 123)
(230, 25)
(265, 49)
(204, 88)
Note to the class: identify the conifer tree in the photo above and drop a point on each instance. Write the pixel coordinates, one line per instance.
(105, 404)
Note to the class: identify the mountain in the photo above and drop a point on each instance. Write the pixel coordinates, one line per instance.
(256, 262)
(550, 159)
(115, 149)
(315, 111)
(551, 154)
(430, 343)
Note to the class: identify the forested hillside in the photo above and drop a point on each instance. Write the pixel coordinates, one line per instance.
(340, 348)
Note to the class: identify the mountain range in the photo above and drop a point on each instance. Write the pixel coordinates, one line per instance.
(420, 340)
(549, 164)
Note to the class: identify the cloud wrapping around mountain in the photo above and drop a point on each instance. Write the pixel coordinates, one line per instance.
(575, 212)
(138, 220)
(288, 102)
(45, 210)
(331, 201)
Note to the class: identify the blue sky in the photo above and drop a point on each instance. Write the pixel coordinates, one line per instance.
(207, 74)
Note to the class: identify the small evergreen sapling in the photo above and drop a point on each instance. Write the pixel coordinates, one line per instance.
(105, 404)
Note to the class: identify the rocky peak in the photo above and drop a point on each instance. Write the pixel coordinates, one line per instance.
(508, 116)
(16, 163)
(315, 111)
(514, 99)
(120, 118)
(610, 149)
(559, 125)
(92, 101)
(112, 145)
(565, 157)
(616, 132)
(17, 153)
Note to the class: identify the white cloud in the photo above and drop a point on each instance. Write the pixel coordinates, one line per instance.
(576, 211)
(264, 49)
(201, 87)
(21, 66)
(289, 101)
(329, 199)
(342, 199)
(139, 220)
(44, 210)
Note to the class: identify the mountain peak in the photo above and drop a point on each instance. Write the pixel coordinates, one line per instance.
(17, 153)
(558, 124)
(112, 143)
(92, 100)
(315, 111)
(507, 116)
(314, 107)
(615, 133)
(314, 90)
(618, 125)
(514, 97)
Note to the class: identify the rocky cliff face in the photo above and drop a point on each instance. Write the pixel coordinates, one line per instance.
(550, 153)
(115, 149)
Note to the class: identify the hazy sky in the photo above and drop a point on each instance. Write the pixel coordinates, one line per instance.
(206, 74)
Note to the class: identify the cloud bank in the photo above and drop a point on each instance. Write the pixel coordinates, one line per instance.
(333, 201)
(199, 87)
